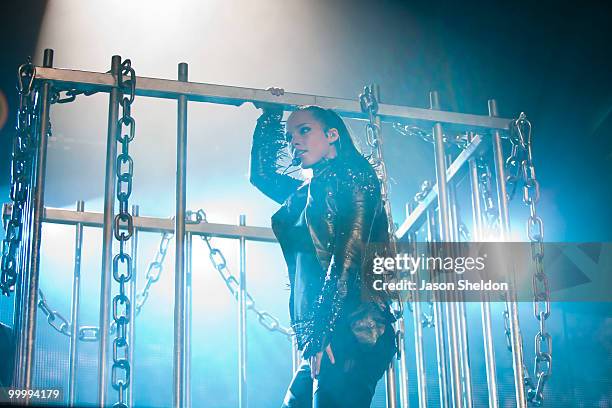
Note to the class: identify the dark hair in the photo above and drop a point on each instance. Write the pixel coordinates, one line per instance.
(345, 147)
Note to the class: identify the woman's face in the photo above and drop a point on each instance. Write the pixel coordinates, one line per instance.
(308, 139)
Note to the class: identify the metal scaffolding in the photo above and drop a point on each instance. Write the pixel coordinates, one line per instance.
(434, 211)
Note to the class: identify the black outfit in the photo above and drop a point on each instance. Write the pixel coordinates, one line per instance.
(7, 351)
(323, 227)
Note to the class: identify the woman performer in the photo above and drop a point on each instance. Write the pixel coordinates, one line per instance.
(342, 326)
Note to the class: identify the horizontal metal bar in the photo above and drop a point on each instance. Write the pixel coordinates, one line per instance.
(151, 224)
(232, 95)
(416, 216)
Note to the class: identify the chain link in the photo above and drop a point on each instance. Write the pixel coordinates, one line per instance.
(154, 271)
(22, 160)
(460, 140)
(369, 105)
(55, 319)
(513, 166)
(60, 324)
(491, 215)
(70, 95)
(89, 333)
(507, 332)
(427, 317)
(123, 231)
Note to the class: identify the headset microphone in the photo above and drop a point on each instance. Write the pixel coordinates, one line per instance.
(295, 160)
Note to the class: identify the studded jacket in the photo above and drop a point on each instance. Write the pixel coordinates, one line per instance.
(343, 210)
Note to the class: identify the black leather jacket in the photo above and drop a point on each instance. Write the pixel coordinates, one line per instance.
(343, 210)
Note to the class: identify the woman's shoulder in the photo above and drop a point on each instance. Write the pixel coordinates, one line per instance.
(356, 173)
(357, 168)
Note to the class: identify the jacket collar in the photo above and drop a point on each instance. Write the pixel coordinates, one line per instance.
(322, 166)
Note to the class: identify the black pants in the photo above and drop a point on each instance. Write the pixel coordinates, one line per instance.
(350, 382)
(7, 351)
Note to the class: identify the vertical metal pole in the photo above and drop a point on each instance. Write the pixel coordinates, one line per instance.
(242, 329)
(452, 339)
(464, 349)
(390, 385)
(475, 191)
(441, 357)
(485, 306)
(107, 231)
(31, 299)
(515, 330)
(188, 314)
(446, 236)
(459, 303)
(500, 173)
(132, 325)
(440, 157)
(419, 354)
(489, 349)
(179, 236)
(74, 310)
(452, 201)
(403, 362)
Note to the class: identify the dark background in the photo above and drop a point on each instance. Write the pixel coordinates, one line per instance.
(548, 59)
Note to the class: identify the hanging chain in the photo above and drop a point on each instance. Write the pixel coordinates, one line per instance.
(21, 170)
(123, 230)
(22, 161)
(411, 130)
(490, 212)
(54, 318)
(219, 262)
(507, 332)
(464, 231)
(154, 270)
(514, 163)
(460, 140)
(427, 317)
(70, 95)
(521, 168)
(60, 324)
(92, 333)
(369, 105)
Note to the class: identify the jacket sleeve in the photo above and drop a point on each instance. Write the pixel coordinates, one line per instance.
(357, 199)
(267, 151)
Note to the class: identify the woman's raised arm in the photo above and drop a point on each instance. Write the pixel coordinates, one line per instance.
(267, 150)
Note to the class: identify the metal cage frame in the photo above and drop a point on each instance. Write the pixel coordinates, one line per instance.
(453, 360)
